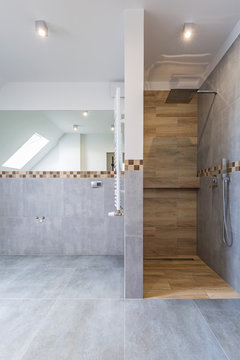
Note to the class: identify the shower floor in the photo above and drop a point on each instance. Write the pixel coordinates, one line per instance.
(184, 279)
(72, 307)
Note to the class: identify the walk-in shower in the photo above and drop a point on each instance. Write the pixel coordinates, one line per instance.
(227, 237)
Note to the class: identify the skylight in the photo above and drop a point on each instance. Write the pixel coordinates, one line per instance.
(26, 152)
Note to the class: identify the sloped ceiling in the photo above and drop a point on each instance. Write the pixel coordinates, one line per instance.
(16, 127)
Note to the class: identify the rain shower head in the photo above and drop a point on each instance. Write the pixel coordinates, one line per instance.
(185, 96)
(180, 96)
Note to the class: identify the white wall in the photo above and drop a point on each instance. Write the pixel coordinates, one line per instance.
(94, 148)
(64, 157)
(56, 96)
(134, 83)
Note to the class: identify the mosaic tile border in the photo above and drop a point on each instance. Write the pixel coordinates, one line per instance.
(134, 165)
(232, 167)
(57, 174)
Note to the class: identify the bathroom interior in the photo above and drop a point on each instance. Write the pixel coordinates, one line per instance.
(190, 182)
(118, 189)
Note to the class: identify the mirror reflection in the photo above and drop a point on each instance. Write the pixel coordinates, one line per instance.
(57, 140)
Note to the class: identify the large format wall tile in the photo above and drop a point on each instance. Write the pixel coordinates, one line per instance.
(133, 234)
(11, 192)
(43, 197)
(219, 137)
(77, 220)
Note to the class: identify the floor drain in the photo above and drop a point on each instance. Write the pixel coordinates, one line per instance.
(170, 259)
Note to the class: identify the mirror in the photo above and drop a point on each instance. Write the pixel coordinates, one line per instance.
(56, 140)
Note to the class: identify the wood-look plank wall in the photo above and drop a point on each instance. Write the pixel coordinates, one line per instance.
(170, 176)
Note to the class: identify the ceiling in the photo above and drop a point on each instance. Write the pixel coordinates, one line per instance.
(97, 122)
(85, 40)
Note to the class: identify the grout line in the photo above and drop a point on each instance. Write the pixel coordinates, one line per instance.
(212, 332)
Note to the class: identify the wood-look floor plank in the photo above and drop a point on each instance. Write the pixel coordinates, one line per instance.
(184, 279)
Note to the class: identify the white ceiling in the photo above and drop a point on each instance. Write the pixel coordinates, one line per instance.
(97, 122)
(85, 40)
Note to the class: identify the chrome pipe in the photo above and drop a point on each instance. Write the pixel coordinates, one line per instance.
(207, 92)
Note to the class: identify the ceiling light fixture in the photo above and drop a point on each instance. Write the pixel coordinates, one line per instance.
(188, 29)
(112, 128)
(75, 127)
(41, 28)
(85, 113)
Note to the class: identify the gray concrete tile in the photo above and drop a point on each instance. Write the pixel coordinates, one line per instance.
(81, 236)
(80, 200)
(77, 221)
(12, 261)
(95, 284)
(223, 317)
(133, 267)
(12, 231)
(39, 283)
(100, 262)
(168, 329)
(43, 197)
(41, 238)
(133, 203)
(20, 319)
(87, 330)
(7, 274)
(11, 191)
(113, 237)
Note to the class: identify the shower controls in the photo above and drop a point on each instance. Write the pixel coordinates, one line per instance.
(40, 219)
(96, 184)
(227, 236)
(213, 181)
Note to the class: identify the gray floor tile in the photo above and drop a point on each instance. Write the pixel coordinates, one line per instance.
(12, 261)
(168, 330)
(20, 320)
(62, 261)
(36, 283)
(223, 317)
(80, 330)
(7, 275)
(100, 262)
(94, 284)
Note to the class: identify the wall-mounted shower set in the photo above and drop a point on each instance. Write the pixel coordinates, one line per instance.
(227, 237)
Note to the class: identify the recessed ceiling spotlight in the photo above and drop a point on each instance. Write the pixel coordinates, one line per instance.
(75, 127)
(85, 113)
(41, 28)
(188, 29)
(112, 128)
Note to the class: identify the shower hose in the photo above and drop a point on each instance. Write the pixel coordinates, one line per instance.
(226, 235)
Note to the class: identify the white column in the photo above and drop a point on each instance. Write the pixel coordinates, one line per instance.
(133, 182)
(134, 83)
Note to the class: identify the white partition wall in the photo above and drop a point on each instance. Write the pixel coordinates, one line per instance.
(133, 209)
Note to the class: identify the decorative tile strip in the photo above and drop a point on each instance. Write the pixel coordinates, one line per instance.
(57, 174)
(136, 165)
(215, 170)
